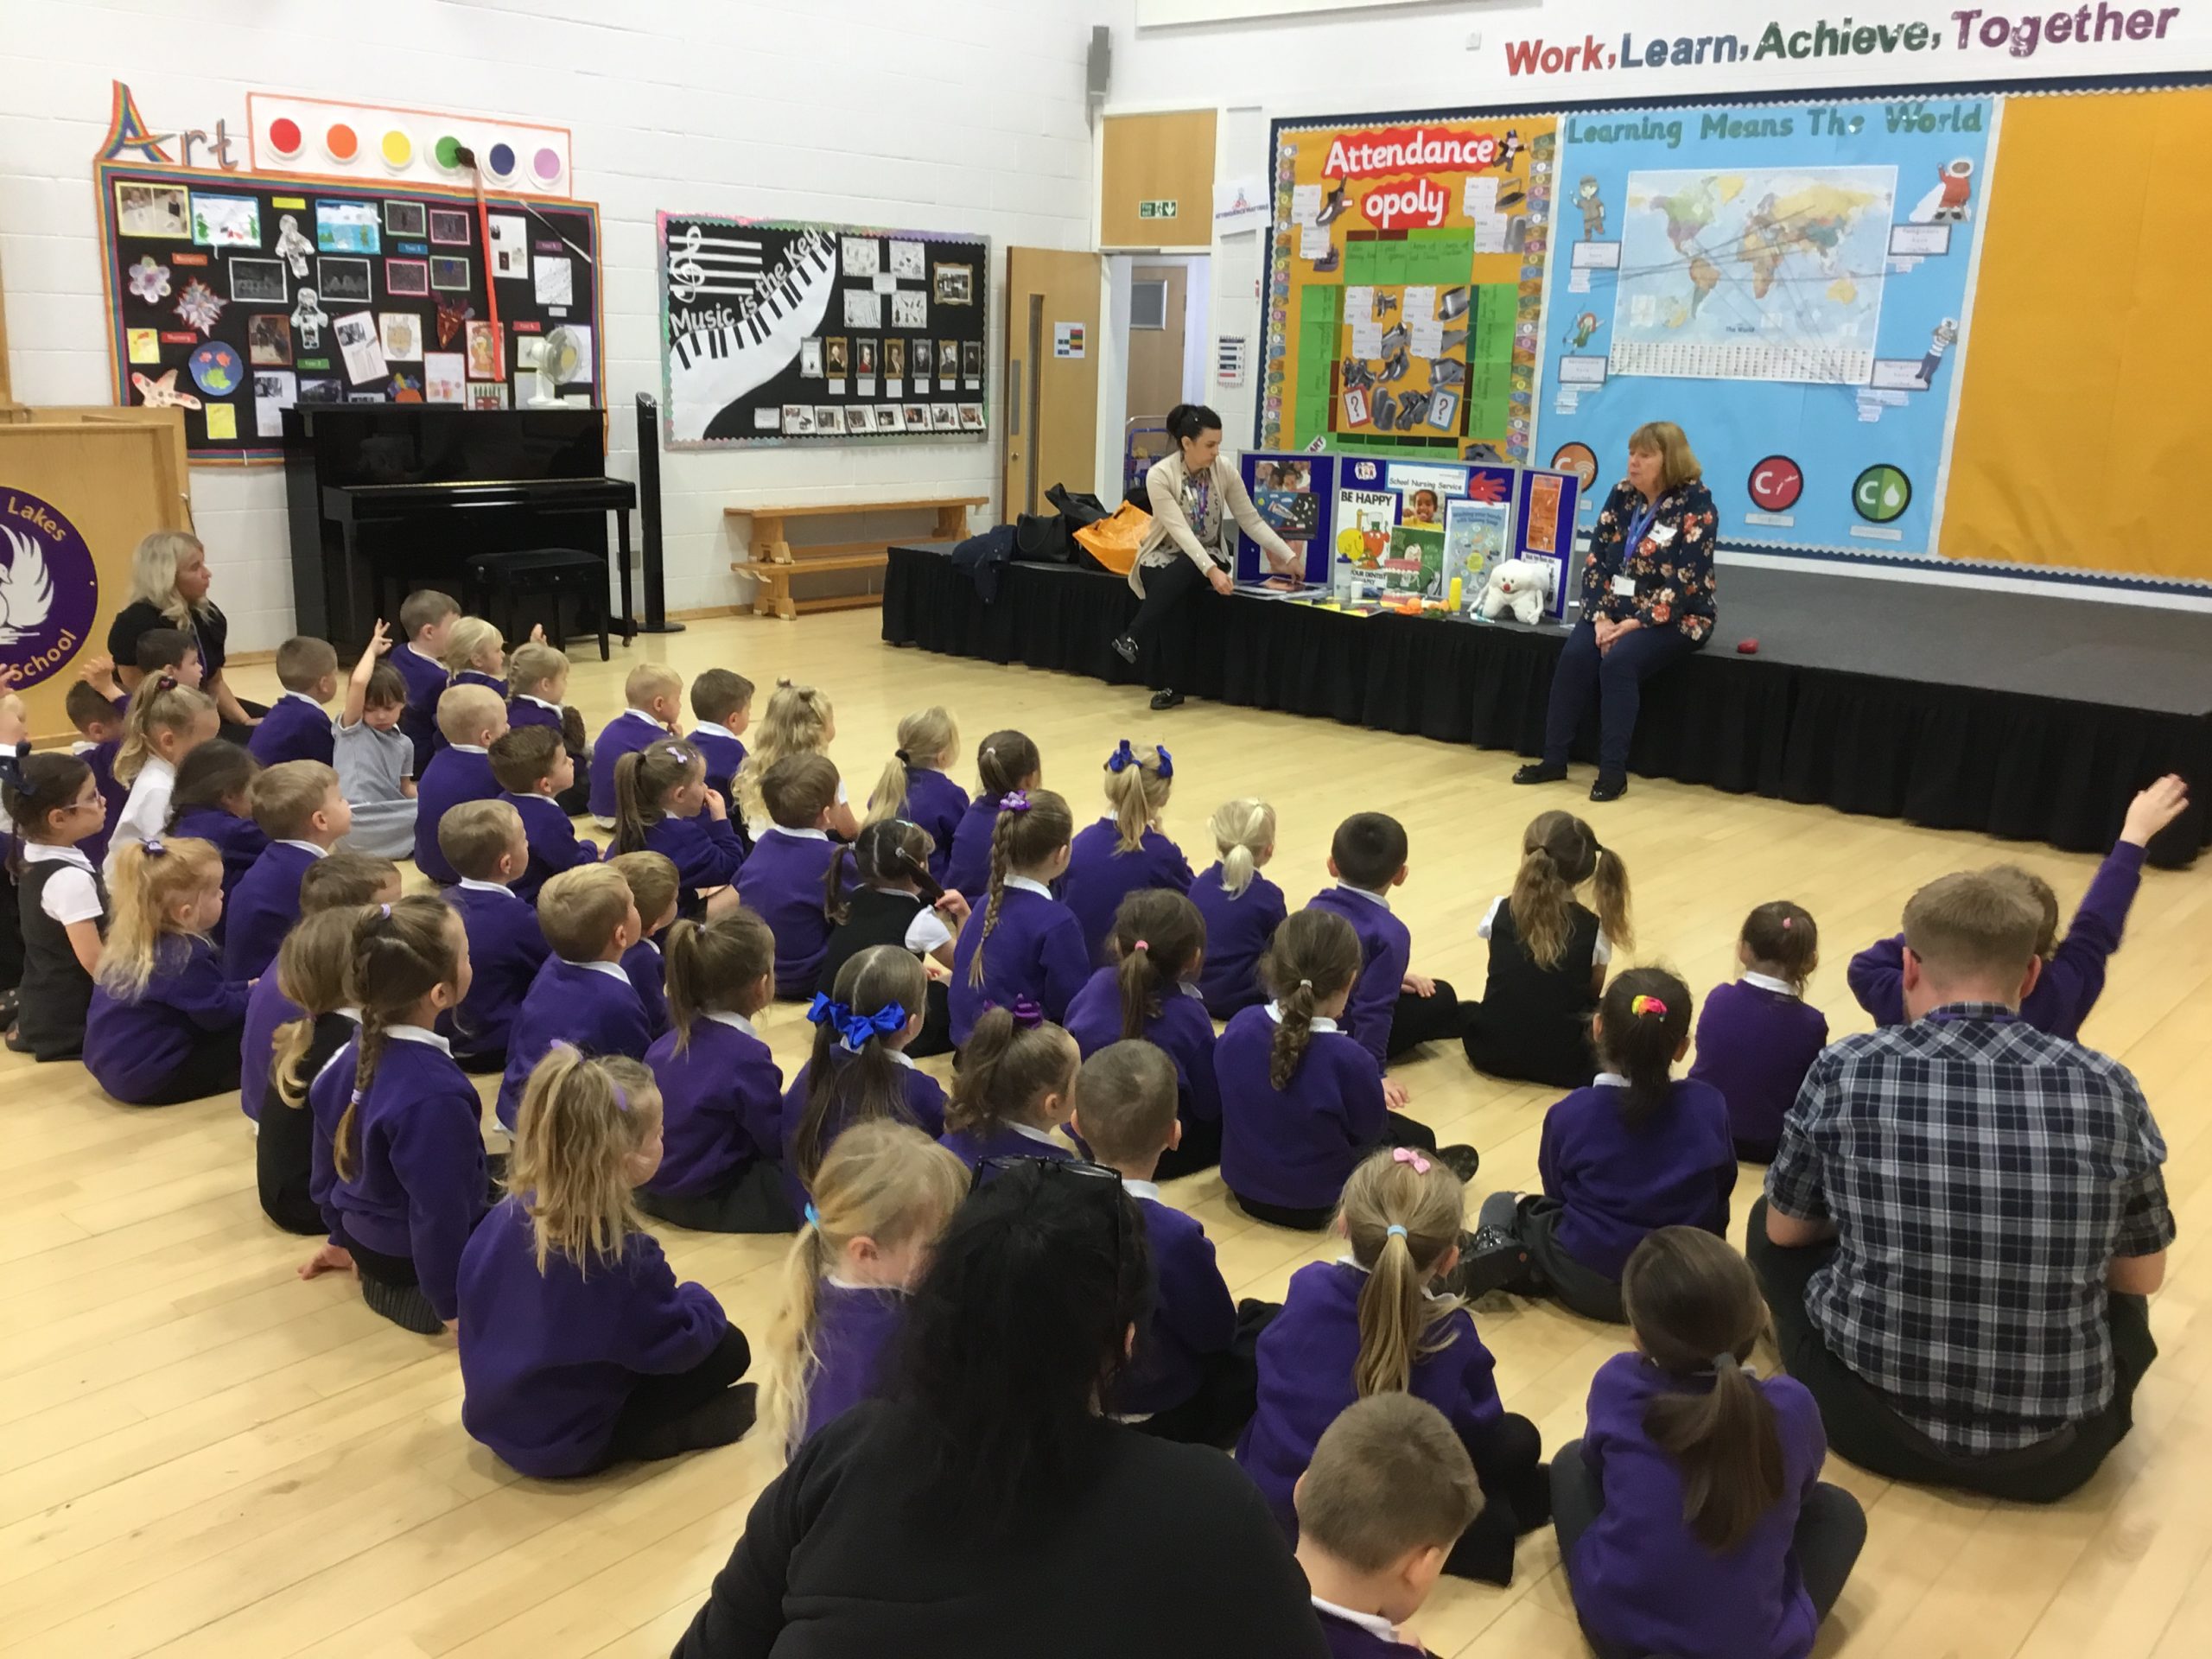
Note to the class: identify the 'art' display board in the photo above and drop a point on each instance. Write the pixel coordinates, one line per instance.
(235, 295)
(1377, 533)
(1788, 283)
(1406, 277)
(776, 332)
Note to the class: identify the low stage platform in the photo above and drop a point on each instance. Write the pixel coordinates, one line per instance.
(2017, 715)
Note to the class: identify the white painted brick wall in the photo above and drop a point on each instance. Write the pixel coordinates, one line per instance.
(959, 114)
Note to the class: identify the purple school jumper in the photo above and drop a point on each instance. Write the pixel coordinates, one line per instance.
(1192, 1316)
(296, 728)
(426, 682)
(548, 1360)
(329, 1094)
(1348, 1639)
(967, 866)
(973, 1146)
(240, 840)
(1182, 1030)
(1756, 1041)
(457, 773)
(505, 950)
(1305, 1362)
(722, 1107)
(466, 677)
(266, 1008)
(1239, 929)
(1386, 947)
(2072, 980)
(1100, 876)
(555, 846)
(939, 806)
(133, 1048)
(264, 908)
(418, 1185)
(590, 1004)
(1294, 1148)
(1642, 1579)
(853, 1324)
(532, 711)
(628, 732)
(101, 758)
(1036, 951)
(648, 977)
(924, 1102)
(706, 852)
(782, 883)
(723, 754)
(1618, 1183)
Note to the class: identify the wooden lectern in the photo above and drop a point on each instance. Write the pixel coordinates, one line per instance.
(105, 476)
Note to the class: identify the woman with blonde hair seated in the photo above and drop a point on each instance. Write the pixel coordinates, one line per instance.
(1647, 602)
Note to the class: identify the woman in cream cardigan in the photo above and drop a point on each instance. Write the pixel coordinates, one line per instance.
(1189, 545)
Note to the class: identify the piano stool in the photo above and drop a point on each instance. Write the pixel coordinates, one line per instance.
(553, 572)
(775, 561)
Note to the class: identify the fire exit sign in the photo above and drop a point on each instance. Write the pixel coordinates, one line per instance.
(1160, 209)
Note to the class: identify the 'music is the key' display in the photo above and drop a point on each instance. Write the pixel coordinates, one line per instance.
(776, 332)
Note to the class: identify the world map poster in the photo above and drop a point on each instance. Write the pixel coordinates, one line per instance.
(1789, 283)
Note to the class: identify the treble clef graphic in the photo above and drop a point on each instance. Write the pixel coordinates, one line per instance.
(684, 273)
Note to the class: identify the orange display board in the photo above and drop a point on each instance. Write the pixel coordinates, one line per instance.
(1405, 285)
(2084, 409)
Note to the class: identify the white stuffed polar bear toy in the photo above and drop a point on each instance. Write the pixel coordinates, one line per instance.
(1519, 586)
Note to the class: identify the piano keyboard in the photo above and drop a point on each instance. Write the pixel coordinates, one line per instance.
(709, 369)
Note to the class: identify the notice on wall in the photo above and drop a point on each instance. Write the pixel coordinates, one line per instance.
(1067, 339)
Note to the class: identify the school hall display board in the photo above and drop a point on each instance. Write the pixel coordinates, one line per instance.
(776, 332)
(1788, 281)
(1375, 535)
(233, 296)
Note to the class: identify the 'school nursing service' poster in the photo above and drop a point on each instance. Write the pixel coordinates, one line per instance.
(1787, 282)
(1405, 285)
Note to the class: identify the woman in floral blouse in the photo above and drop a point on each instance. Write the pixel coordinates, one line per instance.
(1647, 602)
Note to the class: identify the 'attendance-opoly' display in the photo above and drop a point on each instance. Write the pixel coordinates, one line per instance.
(776, 332)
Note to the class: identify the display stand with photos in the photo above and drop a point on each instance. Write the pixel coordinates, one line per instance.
(1399, 534)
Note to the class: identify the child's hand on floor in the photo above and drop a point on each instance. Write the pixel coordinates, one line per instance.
(1396, 1094)
(331, 1258)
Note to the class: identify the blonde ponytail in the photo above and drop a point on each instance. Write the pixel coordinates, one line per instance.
(312, 969)
(1243, 829)
(1403, 1211)
(161, 703)
(925, 740)
(152, 878)
(1138, 781)
(579, 1121)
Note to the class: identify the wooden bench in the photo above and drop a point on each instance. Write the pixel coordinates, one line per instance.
(775, 561)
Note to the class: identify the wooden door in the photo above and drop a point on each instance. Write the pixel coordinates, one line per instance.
(1052, 374)
(1155, 354)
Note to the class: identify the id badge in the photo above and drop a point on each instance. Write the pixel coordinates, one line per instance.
(1624, 587)
(1662, 536)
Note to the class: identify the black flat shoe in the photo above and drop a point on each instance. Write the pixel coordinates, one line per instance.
(1492, 1260)
(1537, 771)
(1608, 789)
(1170, 698)
(1461, 1161)
(1125, 648)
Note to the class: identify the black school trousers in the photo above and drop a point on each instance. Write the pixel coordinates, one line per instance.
(1864, 1427)
(1418, 1019)
(1398, 1130)
(753, 1202)
(211, 1067)
(1831, 1531)
(689, 1411)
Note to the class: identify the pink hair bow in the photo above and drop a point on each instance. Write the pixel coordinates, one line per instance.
(1408, 1156)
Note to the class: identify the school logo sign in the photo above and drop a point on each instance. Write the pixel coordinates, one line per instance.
(49, 589)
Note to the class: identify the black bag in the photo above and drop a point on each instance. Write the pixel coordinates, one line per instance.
(1078, 508)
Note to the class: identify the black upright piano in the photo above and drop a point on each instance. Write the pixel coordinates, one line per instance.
(386, 497)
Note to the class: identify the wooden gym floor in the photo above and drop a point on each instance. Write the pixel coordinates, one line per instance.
(202, 1455)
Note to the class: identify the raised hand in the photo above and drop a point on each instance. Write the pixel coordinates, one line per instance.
(2154, 808)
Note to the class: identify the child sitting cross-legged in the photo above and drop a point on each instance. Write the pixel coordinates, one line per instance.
(1020, 941)
(297, 725)
(213, 800)
(722, 1093)
(99, 720)
(883, 1194)
(1016, 1085)
(799, 722)
(914, 788)
(1125, 852)
(1007, 763)
(54, 802)
(1370, 1324)
(579, 1348)
(654, 886)
(1242, 908)
(787, 878)
(1692, 1517)
(858, 1071)
(1389, 1492)
(483, 841)
(534, 770)
(537, 681)
(163, 1022)
(581, 995)
(661, 804)
(342, 881)
(166, 721)
(374, 757)
(426, 619)
(299, 807)
(654, 692)
(476, 654)
(721, 702)
(471, 718)
(1192, 1375)
(1757, 1037)
(893, 900)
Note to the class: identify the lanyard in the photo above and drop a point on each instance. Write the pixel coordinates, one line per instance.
(1638, 526)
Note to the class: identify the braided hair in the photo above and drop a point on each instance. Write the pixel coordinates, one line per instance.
(401, 952)
(1032, 827)
(1313, 957)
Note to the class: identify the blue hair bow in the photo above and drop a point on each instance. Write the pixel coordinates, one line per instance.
(1166, 762)
(853, 1030)
(1121, 758)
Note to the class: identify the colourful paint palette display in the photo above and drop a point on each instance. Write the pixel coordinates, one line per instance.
(386, 144)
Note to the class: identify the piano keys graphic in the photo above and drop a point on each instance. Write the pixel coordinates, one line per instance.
(770, 309)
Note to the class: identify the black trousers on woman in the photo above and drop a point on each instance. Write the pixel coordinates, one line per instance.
(1614, 680)
(1166, 617)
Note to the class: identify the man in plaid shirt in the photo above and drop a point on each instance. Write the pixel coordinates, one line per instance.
(1964, 1220)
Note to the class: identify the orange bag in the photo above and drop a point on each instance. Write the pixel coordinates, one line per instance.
(1114, 542)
